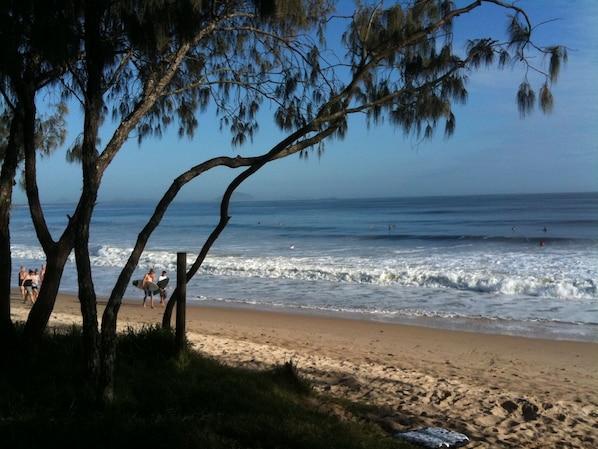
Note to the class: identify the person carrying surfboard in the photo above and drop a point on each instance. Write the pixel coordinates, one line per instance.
(149, 277)
(162, 281)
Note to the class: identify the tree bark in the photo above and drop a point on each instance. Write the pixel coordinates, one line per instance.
(7, 179)
(87, 298)
(95, 65)
(42, 309)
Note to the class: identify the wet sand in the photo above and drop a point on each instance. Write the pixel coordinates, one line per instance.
(500, 391)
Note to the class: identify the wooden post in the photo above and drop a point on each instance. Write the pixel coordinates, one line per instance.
(181, 304)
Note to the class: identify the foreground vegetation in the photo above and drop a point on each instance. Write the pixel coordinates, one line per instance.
(164, 401)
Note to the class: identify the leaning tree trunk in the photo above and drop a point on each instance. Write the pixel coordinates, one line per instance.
(224, 218)
(42, 309)
(56, 253)
(256, 165)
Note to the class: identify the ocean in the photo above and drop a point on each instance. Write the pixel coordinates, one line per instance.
(509, 264)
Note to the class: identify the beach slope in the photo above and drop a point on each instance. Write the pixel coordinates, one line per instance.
(500, 391)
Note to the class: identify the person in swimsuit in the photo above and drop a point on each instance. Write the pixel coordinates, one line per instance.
(149, 277)
(22, 276)
(35, 284)
(28, 286)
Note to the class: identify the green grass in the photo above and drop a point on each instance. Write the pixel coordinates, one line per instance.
(188, 401)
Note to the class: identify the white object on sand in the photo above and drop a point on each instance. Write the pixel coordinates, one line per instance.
(435, 437)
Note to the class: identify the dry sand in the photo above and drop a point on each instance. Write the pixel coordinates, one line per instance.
(501, 391)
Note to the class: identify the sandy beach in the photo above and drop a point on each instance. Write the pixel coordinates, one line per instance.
(500, 391)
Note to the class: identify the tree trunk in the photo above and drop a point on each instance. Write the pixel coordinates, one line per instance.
(56, 258)
(87, 298)
(224, 218)
(7, 177)
(42, 309)
(167, 316)
(107, 356)
(95, 65)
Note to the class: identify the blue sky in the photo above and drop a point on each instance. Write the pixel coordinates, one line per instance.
(492, 150)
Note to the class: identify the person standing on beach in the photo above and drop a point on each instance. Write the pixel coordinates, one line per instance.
(162, 289)
(35, 284)
(28, 287)
(149, 277)
(22, 276)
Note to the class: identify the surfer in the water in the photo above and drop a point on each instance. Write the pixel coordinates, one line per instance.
(149, 277)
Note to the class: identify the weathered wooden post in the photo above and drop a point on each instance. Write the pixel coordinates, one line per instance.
(181, 304)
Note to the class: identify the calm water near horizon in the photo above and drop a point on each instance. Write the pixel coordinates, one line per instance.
(511, 264)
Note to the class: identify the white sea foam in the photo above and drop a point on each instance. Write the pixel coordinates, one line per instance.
(521, 280)
(463, 262)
